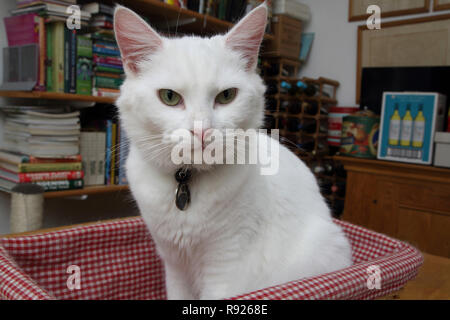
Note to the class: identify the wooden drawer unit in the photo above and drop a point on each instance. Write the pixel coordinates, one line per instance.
(409, 202)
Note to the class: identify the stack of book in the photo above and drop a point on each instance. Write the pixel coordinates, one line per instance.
(108, 71)
(41, 145)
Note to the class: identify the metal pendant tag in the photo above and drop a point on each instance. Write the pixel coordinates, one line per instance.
(183, 196)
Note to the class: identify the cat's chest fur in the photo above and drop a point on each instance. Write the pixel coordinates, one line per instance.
(216, 196)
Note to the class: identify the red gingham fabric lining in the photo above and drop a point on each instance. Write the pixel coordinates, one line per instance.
(118, 260)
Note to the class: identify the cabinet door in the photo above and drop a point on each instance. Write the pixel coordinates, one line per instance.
(429, 232)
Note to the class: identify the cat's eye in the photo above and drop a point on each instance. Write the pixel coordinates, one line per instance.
(169, 97)
(226, 96)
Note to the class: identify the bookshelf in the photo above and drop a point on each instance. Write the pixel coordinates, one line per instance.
(160, 13)
(90, 190)
(55, 96)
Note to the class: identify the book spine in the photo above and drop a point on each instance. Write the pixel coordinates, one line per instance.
(44, 167)
(42, 54)
(123, 156)
(101, 50)
(84, 76)
(58, 56)
(51, 176)
(108, 60)
(113, 152)
(105, 82)
(76, 158)
(117, 154)
(67, 45)
(73, 62)
(61, 185)
(108, 151)
(103, 68)
(84, 155)
(49, 78)
(101, 141)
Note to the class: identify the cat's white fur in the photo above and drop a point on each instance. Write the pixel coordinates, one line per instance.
(242, 231)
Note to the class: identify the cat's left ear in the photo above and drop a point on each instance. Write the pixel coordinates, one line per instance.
(246, 36)
(136, 39)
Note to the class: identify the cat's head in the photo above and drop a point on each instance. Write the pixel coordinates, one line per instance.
(173, 83)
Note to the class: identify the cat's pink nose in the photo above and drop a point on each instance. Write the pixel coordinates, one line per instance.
(201, 134)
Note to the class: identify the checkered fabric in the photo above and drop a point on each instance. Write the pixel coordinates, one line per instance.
(118, 260)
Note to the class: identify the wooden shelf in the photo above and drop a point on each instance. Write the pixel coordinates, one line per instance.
(162, 14)
(86, 191)
(55, 96)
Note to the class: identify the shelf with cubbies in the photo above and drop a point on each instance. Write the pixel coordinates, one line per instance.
(301, 116)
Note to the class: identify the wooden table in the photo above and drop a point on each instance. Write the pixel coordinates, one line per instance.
(432, 282)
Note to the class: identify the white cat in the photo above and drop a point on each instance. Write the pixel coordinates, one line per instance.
(242, 231)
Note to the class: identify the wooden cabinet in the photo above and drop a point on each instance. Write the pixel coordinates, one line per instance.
(405, 201)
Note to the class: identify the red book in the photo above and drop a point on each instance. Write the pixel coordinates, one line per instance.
(76, 158)
(40, 176)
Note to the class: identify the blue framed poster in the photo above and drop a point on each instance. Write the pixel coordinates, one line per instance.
(409, 121)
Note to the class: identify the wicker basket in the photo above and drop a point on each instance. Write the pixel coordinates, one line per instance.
(118, 260)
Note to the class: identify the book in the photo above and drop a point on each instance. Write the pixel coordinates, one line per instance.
(97, 58)
(48, 8)
(113, 153)
(100, 152)
(103, 67)
(84, 46)
(16, 158)
(84, 66)
(41, 167)
(98, 8)
(105, 92)
(49, 58)
(61, 185)
(63, 159)
(106, 82)
(123, 155)
(105, 50)
(41, 150)
(22, 30)
(102, 24)
(40, 176)
(26, 3)
(69, 60)
(58, 56)
(109, 75)
(41, 130)
(108, 151)
(29, 29)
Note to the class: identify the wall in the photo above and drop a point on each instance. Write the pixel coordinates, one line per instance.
(334, 50)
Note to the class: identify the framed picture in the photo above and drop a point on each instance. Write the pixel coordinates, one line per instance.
(441, 5)
(358, 8)
(406, 43)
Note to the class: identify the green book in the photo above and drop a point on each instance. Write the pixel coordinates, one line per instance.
(105, 82)
(84, 47)
(61, 185)
(49, 63)
(107, 69)
(58, 56)
(43, 167)
(84, 65)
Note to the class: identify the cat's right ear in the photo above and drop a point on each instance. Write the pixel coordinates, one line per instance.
(136, 39)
